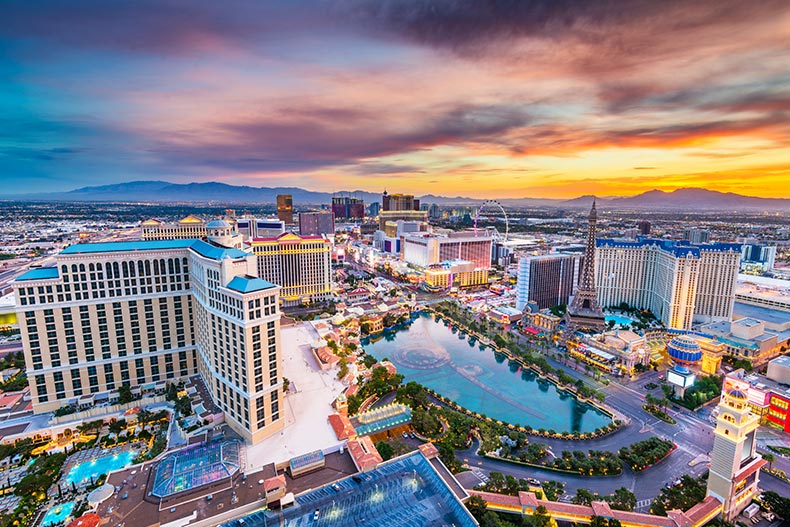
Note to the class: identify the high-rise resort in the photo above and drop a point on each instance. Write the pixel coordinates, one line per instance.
(143, 313)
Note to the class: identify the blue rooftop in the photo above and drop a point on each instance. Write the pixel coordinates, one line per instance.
(42, 273)
(199, 246)
(215, 253)
(249, 284)
(679, 248)
(109, 247)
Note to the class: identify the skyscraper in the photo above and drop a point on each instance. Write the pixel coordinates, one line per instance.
(696, 236)
(316, 223)
(146, 312)
(399, 202)
(346, 208)
(678, 282)
(285, 208)
(644, 228)
(584, 313)
(547, 280)
(734, 462)
(301, 265)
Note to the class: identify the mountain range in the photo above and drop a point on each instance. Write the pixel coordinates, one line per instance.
(162, 191)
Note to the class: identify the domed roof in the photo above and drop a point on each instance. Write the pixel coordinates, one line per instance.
(684, 343)
(735, 393)
(218, 224)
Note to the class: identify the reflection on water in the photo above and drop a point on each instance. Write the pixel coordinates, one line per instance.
(430, 353)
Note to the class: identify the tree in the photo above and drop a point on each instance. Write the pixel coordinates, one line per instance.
(598, 521)
(144, 417)
(541, 518)
(769, 458)
(623, 499)
(117, 426)
(172, 392)
(385, 450)
(184, 406)
(583, 497)
(125, 394)
(778, 504)
(477, 507)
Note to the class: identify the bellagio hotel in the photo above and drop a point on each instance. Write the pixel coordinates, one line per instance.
(139, 313)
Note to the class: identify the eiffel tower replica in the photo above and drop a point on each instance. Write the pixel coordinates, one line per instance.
(584, 313)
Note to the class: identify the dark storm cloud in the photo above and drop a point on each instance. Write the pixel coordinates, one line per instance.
(155, 26)
(299, 141)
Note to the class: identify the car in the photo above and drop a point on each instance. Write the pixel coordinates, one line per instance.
(316, 514)
(336, 487)
(534, 482)
(405, 435)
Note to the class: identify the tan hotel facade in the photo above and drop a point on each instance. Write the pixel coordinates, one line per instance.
(139, 313)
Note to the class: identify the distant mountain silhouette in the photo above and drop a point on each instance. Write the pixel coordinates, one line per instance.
(162, 191)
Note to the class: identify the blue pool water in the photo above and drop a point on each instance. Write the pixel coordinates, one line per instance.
(81, 474)
(473, 376)
(58, 514)
(619, 319)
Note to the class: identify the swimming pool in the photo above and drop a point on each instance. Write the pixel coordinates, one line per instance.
(482, 381)
(58, 514)
(619, 319)
(81, 474)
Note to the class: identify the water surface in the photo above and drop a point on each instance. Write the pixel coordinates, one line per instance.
(459, 368)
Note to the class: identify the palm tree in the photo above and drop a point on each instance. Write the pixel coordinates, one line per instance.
(769, 458)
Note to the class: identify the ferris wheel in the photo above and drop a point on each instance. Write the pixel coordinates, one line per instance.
(493, 204)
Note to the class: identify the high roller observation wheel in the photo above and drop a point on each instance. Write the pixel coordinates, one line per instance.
(493, 204)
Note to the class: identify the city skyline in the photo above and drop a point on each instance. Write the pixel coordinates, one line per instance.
(543, 99)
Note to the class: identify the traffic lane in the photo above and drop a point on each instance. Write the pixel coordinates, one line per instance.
(771, 482)
(645, 484)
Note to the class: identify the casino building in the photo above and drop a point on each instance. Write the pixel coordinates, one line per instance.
(301, 265)
(680, 283)
(188, 228)
(145, 312)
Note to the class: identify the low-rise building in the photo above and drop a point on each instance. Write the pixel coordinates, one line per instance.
(618, 351)
(779, 370)
(747, 338)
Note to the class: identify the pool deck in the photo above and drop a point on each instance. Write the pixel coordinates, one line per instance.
(86, 456)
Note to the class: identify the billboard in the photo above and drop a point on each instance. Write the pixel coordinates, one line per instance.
(684, 381)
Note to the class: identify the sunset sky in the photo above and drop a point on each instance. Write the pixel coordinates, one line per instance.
(516, 98)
